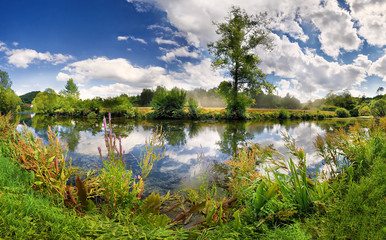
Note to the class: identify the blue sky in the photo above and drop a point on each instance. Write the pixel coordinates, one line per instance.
(110, 47)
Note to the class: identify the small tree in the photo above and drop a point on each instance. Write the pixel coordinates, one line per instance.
(378, 108)
(71, 90)
(5, 81)
(146, 97)
(45, 102)
(240, 34)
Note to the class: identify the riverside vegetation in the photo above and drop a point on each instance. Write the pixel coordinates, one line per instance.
(43, 196)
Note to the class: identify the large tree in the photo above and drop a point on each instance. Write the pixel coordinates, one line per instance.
(234, 51)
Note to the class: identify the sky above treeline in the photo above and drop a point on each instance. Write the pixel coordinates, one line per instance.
(111, 47)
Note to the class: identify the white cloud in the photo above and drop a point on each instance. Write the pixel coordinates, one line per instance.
(200, 75)
(138, 39)
(122, 38)
(15, 44)
(379, 67)
(312, 72)
(173, 54)
(118, 70)
(336, 29)
(22, 58)
(165, 41)
(362, 61)
(371, 18)
(110, 90)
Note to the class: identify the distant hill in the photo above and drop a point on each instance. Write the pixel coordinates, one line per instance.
(28, 97)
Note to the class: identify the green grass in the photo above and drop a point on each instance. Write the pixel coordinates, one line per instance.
(360, 213)
(27, 215)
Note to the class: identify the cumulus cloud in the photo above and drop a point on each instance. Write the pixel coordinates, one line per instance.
(22, 58)
(173, 54)
(118, 70)
(312, 72)
(200, 75)
(379, 68)
(336, 29)
(166, 41)
(371, 18)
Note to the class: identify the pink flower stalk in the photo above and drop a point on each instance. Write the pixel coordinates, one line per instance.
(104, 124)
(113, 177)
(123, 176)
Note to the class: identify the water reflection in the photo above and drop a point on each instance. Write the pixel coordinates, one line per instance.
(185, 140)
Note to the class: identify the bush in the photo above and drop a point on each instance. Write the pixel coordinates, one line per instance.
(283, 114)
(378, 108)
(193, 108)
(168, 104)
(342, 113)
(364, 111)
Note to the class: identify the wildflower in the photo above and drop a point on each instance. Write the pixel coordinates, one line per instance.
(123, 176)
(104, 124)
(113, 177)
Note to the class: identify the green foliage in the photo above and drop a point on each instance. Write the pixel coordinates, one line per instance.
(45, 102)
(378, 108)
(5, 81)
(168, 104)
(154, 151)
(344, 100)
(357, 208)
(29, 97)
(118, 185)
(239, 34)
(71, 90)
(283, 114)
(193, 108)
(146, 97)
(8, 100)
(364, 111)
(342, 113)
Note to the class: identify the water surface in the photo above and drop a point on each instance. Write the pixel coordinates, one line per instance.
(185, 141)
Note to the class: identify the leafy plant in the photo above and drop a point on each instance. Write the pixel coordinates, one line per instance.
(342, 113)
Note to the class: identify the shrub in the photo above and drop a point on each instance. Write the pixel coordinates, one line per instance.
(378, 108)
(283, 114)
(342, 113)
(193, 108)
(364, 111)
(168, 104)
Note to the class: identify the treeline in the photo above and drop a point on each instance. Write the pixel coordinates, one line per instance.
(345, 105)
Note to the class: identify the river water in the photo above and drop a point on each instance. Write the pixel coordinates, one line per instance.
(190, 146)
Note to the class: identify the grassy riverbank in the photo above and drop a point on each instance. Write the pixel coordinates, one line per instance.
(286, 201)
